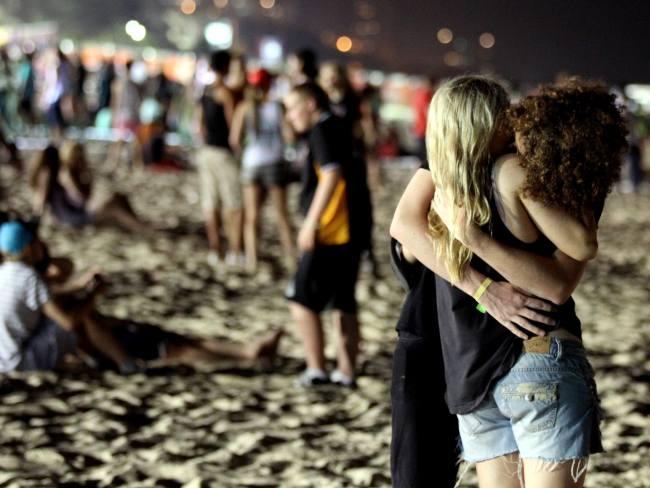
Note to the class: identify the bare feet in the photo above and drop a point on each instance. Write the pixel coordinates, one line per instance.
(267, 347)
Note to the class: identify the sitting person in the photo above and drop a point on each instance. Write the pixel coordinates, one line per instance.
(31, 311)
(35, 331)
(64, 182)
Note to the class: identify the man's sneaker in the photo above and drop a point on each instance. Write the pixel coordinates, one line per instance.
(311, 377)
(341, 379)
(214, 260)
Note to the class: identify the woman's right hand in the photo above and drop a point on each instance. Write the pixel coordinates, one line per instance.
(515, 310)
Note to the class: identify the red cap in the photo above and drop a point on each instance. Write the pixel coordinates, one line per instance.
(259, 78)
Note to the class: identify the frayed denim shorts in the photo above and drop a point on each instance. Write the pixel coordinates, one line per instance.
(545, 408)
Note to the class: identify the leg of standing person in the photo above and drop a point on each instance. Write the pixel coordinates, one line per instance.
(310, 330)
(419, 415)
(349, 337)
(207, 166)
(230, 193)
(253, 196)
(500, 472)
(279, 201)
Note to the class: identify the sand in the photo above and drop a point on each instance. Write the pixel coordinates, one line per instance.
(228, 427)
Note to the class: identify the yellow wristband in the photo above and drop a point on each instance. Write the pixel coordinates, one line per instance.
(481, 289)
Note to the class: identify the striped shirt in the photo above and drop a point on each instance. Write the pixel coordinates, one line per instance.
(22, 295)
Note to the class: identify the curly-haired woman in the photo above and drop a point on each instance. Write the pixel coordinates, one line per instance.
(526, 409)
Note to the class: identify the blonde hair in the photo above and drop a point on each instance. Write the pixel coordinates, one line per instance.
(463, 117)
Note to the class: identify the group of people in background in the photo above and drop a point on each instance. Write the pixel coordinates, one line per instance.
(490, 238)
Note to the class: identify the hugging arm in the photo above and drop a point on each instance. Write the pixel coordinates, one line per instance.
(510, 307)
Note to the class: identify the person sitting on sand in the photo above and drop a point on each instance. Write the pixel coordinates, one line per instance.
(35, 331)
(64, 182)
(98, 339)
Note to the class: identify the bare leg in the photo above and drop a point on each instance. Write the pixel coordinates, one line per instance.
(212, 227)
(233, 220)
(211, 350)
(310, 330)
(544, 474)
(118, 209)
(252, 204)
(101, 338)
(347, 326)
(279, 200)
(501, 472)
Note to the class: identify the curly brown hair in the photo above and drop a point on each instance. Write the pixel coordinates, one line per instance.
(573, 137)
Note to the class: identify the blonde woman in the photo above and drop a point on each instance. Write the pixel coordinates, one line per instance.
(516, 411)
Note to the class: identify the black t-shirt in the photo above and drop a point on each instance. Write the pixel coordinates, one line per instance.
(331, 144)
(419, 315)
(477, 350)
(214, 122)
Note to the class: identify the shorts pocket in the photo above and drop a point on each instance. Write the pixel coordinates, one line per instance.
(532, 405)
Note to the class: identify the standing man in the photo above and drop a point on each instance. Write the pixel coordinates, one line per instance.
(221, 194)
(328, 238)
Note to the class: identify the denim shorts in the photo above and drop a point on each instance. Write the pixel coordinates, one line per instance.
(546, 408)
(46, 348)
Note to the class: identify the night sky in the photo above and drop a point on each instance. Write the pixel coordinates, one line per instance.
(535, 39)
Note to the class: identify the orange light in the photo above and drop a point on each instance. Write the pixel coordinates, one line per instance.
(188, 7)
(344, 44)
(221, 3)
(267, 4)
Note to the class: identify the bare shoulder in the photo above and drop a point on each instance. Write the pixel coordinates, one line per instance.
(509, 173)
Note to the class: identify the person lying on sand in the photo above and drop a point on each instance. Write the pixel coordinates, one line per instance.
(61, 319)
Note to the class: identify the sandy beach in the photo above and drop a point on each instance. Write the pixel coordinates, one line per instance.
(228, 427)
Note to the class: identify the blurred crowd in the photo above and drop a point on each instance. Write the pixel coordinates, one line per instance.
(235, 124)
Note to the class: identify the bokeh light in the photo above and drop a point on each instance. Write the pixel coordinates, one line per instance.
(344, 44)
(486, 40)
(188, 7)
(445, 35)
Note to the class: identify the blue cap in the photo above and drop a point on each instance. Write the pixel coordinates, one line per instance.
(14, 237)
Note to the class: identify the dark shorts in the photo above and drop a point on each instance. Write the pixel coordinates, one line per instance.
(326, 278)
(268, 175)
(424, 446)
(141, 341)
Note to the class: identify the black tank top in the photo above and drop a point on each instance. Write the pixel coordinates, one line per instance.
(214, 122)
(477, 350)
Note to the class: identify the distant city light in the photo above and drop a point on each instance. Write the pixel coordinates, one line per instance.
(66, 46)
(267, 3)
(344, 44)
(149, 54)
(219, 34)
(445, 36)
(221, 3)
(270, 50)
(486, 40)
(453, 59)
(188, 7)
(376, 78)
(135, 30)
